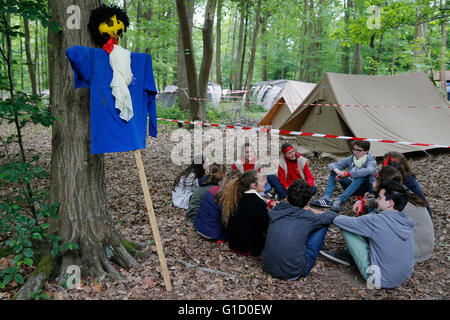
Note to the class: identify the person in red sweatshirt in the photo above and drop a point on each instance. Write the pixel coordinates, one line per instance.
(292, 166)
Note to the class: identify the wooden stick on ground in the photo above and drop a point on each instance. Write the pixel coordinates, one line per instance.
(151, 214)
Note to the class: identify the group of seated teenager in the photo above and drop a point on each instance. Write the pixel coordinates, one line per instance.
(387, 231)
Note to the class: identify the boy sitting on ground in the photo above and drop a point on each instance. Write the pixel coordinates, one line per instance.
(356, 175)
(295, 234)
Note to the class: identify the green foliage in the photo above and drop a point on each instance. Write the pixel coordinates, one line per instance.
(38, 295)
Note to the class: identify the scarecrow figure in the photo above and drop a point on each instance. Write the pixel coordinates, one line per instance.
(123, 92)
(121, 84)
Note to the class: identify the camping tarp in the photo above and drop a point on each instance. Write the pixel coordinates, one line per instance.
(287, 100)
(385, 112)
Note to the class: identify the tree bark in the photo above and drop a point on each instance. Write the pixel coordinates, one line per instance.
(30, 64)
(232, 51)
(218, 40)
(357, 67)
(346, 49)
(182, 80)
(443, 52)
(237, 77)
(191, 71)
(264, 47)
(77, 176)
(208, 53)
(251, 63)
(244, 47)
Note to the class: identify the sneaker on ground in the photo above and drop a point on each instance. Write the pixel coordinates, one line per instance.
(322, 202)
(336, 206)
(339, 256)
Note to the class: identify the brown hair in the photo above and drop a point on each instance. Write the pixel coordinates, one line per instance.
(391, 173)
(365, 145)
(216, 174)
(229, 196)
(398, 161)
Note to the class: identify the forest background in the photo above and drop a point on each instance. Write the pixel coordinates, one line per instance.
(259, 40)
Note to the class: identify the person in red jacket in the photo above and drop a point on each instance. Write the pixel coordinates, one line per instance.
(292, 166)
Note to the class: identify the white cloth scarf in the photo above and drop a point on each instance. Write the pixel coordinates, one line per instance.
(255, 192)
(359, 162)
(120, 61)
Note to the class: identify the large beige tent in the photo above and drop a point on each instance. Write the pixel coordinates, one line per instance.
(397, 108)
(286, 101)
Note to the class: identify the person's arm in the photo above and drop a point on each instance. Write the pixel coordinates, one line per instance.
(308, 175)
(282, 177)
(323, 219)
(359, 225)
(340, 165)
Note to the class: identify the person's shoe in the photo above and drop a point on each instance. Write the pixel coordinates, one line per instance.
(322, 202)
(339, 256)
(336, 205)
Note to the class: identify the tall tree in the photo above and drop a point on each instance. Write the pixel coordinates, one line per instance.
(77, 176)
(30, 64)
(237, 74)
(182, 78)
(251, 63)
(218, 39)
(197, 90)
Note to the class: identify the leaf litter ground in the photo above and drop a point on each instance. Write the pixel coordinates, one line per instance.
(201, 269)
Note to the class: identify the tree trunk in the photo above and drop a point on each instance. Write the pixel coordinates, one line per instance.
(232, 51)
(218, 40)
(237, 77)
(208, 53)
(444, 52)
(346, 49)
(251, 63)
(138, 26)
(244, 48)
(191, 72)
(264, 47)
(30, 64)
(357, 67)
(77, 176)
(182, 80)
(419, 40)
(36, 58)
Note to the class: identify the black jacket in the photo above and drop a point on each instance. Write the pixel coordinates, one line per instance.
(248, 224)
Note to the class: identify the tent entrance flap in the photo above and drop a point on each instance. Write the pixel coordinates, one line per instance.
(325, 120)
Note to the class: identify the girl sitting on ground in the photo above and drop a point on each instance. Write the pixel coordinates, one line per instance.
(244, 213)
(415, 209)
(208, 222)
(398, 161)
(216, 172)
(187, 181)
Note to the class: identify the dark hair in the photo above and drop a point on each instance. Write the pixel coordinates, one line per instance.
(102, 14)
(215, 175)
(299, 193)
(196, 167)
(391, 173)
(285, 145)
(396, 192)
(365, 145)
(232, 193)
(398, 161)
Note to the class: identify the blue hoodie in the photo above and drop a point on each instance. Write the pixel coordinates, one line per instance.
(289, 227)
(391, 242)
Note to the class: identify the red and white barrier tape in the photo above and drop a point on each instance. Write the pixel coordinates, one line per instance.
(299, 133)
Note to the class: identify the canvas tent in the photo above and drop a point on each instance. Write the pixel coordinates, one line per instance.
(288, 96)
(421, 124)
(169, 96)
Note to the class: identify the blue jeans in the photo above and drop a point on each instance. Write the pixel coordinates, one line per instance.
(314, 243)
(279, 189)
(358, 186)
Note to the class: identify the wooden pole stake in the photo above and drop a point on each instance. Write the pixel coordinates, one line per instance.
(151, 214)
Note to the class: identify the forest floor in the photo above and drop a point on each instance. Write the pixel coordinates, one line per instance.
(227, 275)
